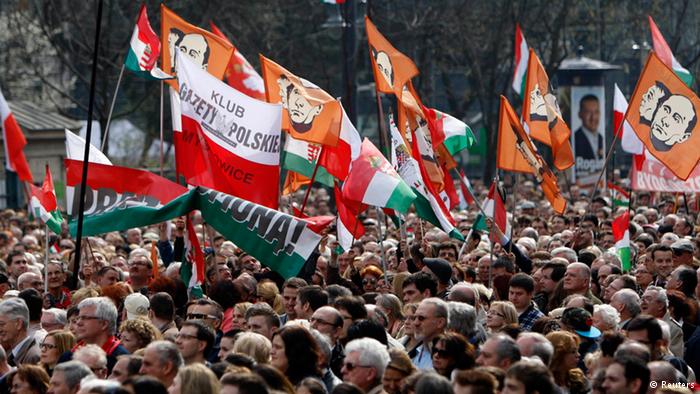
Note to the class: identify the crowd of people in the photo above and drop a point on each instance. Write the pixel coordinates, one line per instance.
(546, 308)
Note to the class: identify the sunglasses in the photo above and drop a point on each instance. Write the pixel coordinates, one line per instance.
(442, 353)
(199, 316)
(350, 366)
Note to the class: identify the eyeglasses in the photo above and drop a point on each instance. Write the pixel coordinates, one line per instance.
(320, 321)
(494, 313)
(369, 281)
(47, 346)
(350, 366)
(138, 263)
(200, 316)
(679, 252)
(442, 353)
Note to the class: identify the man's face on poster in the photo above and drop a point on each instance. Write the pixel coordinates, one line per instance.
(538, 107)
(672, 122)
(589, 113)
(386, 69)
(301, 112)
(194, 46)
(650, 100)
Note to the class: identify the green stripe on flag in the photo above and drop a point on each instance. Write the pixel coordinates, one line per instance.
(401, 197)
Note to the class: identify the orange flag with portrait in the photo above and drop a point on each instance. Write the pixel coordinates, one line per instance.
(663, 111)
(542, 117)
(516, 152)
(204, 48)
(392, 69)
(309, 113)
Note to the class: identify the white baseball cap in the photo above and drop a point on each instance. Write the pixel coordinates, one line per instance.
(136, 304)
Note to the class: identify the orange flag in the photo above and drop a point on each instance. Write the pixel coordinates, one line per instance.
(542, 116)
(663, 111)
(309, 114)
(392, 69)
(293, 182)
(516, 152)
(204, 48)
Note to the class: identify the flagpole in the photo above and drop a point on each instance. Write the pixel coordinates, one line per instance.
(161, 125)
(111, 110)
(605, 165)
(313, 177)
(515, 193)
(381, 245)
(46, 260)
(86, 155)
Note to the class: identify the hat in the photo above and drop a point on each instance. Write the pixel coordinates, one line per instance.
(580, 321)
(440, 268)
(683, 245)
(136, 304)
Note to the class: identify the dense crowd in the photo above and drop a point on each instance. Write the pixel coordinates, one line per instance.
(545, 308)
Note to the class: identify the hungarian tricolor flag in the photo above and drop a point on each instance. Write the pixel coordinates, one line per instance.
(43, 203)
(144, 49)
(192, 271)
(14, 143)
(337, 159)
(309, 113)
(392, 69)
(428, 204)
(494, 206)
(229, 142)
(663, 111)
(120, 198)
(541, 115)
(522, 57)
(620, 196)
(664, 52)
(516, 152)
(206, 50)
(239, 73)
(466, 186)
(452, 133)
(621, 234)
(373, 181)
(630, 142)
(348, 224)
(301, 157)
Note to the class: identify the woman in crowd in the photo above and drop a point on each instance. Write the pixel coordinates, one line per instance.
(295, 353)
(28, 379)
(54, 345)
(238, 316)
(500, 315)
(564, 362)
(195, 378)
(409, 340)
(137, 333)
(452, 351)
(391, 306)
(269, 292)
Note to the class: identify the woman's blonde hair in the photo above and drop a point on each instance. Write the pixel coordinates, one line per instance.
(242, 307)
(564, 342)
(254, 345)
(270, 293)
(507, 309)
(197, 378)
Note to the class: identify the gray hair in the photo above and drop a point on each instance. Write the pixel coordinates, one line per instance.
(506, 348)
(462, 318)
(3, 355)
(661, 296)
(630, 299)
(391, 303)
(93, 353)
(541, 348)
(324, 345)
(665, 371)
(73, 372)
(167, 353)
(90, 384)
(173, 268)
(567, 253)
(60, 315)
(441, 309)
(609, 314)
(432, 382)
(15, 308)
(372, 353)
(104, 309)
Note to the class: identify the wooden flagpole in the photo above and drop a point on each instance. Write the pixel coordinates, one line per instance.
(313, 177)
(605, 165)
(111, 109)
(46, 260)
(381, 244)
(86, 154)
